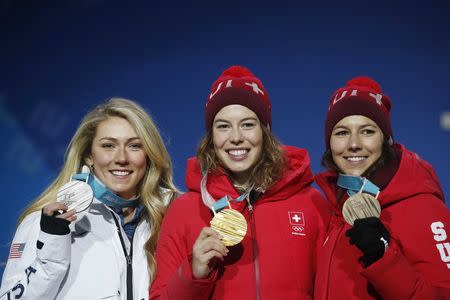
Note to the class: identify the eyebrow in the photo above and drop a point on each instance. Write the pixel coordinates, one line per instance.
(243, 120)
(109, 138)
(361, 126)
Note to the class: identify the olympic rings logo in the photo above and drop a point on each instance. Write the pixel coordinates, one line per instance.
(298, 228)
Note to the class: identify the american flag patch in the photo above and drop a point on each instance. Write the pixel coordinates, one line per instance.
(16, 250)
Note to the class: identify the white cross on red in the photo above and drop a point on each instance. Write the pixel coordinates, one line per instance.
(296, 218)
(255, 87)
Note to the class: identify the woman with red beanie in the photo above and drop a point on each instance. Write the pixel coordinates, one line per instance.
(250, 224)
(389, 234)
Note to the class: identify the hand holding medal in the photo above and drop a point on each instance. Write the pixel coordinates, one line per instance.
(76, 195)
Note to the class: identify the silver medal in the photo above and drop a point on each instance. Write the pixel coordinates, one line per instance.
(76, 195)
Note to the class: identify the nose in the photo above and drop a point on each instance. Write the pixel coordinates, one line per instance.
(236, 136)
(121, 157)
(354, 142)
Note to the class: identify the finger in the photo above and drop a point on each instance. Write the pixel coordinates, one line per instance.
(212, 243)
(210, 256)
(50, 209)
(208, 232)
(67, 214)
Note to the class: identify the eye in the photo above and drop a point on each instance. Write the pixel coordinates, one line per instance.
(107, 145)
(136, 146)
(340, 132)
(367, 131)
(222, 126)
(248, 125)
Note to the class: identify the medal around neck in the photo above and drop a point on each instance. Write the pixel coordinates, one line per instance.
(77, 195)
(360, 206)
(231, 225)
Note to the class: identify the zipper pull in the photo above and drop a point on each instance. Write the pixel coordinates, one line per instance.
(128, 259)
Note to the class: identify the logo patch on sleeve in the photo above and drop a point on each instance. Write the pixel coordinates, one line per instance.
(16, 250)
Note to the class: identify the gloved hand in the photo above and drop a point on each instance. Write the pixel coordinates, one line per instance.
(371, 237)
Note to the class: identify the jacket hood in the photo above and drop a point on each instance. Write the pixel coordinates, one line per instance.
(297, 175)
(414, 176)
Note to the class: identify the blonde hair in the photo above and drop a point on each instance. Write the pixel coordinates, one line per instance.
(264, 174)
(156, 187)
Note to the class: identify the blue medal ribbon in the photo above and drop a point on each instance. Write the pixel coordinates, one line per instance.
(224, 202)
(103, 194)
(357, 184)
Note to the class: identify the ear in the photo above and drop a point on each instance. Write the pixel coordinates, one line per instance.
(89, 161)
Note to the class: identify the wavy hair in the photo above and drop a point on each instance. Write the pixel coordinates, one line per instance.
(264, 174)
(156, 188)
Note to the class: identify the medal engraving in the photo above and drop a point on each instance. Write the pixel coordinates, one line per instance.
(231, 224)
(360, 206)
(76, 195)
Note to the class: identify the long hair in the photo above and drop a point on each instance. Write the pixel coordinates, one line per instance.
(388, 154)
(264, 174)
(156, 188)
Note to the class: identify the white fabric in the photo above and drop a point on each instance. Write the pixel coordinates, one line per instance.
(88, 263)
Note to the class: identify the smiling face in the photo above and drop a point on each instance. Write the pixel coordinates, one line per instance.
(237, 139)
(356, 143)
(118, 157)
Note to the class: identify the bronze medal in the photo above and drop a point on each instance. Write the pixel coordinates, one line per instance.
(76, 195)
(231, 224)
(360, 206)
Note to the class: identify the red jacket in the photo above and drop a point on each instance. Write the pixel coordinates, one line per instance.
(277, 255)
(417, 262)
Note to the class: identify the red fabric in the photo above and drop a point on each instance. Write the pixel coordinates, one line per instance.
(412, 267)
(361, 96)
(286, 261)
(238, 85)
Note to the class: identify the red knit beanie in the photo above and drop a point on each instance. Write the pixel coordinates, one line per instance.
(238, 85)
(361, 96)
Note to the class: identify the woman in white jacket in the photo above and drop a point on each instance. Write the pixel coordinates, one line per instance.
(107, 250)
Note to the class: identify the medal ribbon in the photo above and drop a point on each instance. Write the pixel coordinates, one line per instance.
(223, 202)
(103, 194)
(357, 184)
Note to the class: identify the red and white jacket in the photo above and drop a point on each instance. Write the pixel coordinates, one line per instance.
(276, 258)
(417, 263)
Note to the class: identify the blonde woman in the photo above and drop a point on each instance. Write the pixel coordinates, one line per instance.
(107, 250)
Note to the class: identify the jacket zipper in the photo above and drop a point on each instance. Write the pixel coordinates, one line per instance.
(129, 259)
(255, 249)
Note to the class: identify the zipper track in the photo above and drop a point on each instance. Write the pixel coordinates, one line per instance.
(255, 250)
(128, 258)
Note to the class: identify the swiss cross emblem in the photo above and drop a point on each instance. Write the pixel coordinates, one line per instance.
(296, 218)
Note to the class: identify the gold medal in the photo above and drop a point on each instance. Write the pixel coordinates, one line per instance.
(231, 225)
(360, 206)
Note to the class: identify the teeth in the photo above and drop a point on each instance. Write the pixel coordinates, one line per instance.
(121, 173)
(237, 152)
(355, 158)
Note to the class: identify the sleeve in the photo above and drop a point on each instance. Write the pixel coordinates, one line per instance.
(37, 262)
(417, 262)
(174, 279)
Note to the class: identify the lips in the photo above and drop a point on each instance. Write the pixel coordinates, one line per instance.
(238, 154)
(120, 172)
(355, 159)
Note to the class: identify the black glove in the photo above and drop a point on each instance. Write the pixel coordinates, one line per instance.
(371, 237)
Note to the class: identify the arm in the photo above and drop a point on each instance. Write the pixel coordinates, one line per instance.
(416, 264)
(37, 267)
(175, 257)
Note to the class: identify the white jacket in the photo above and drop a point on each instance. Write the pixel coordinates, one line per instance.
(87, 263)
